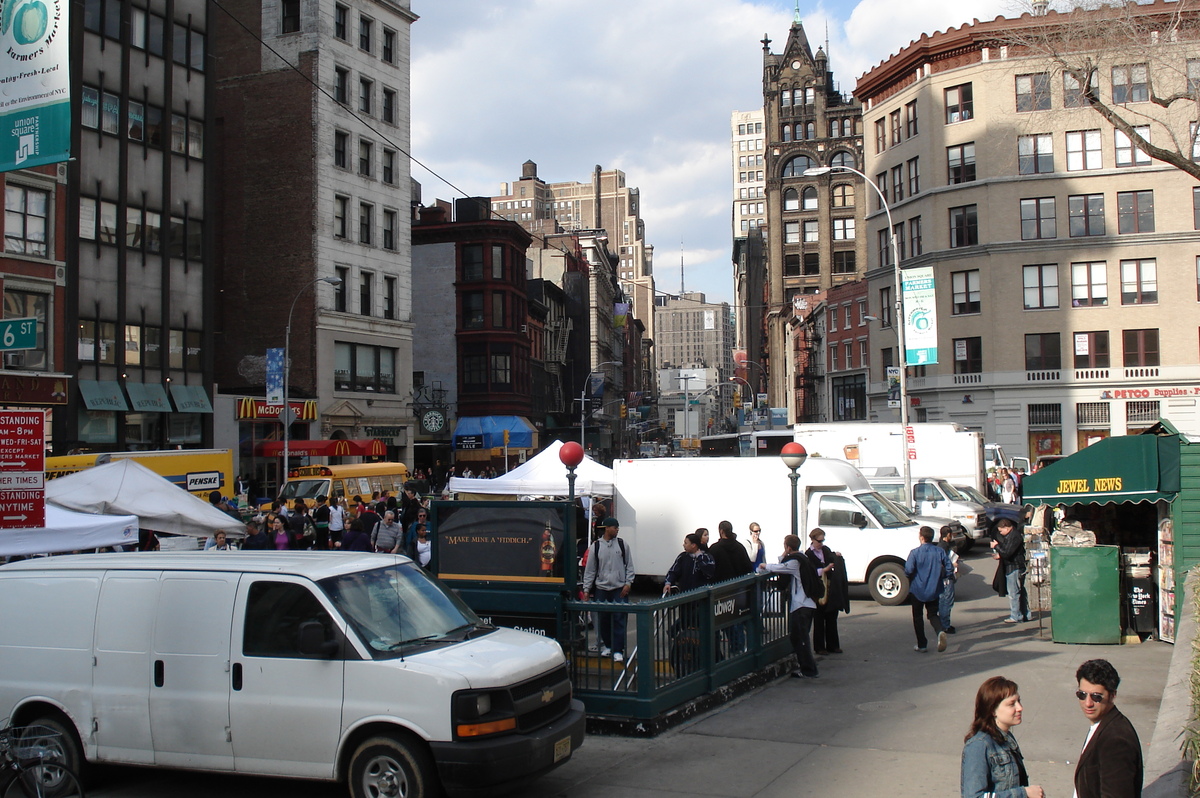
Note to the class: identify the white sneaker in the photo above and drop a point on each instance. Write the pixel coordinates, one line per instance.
(618, 656)
(941, 642)
(605, 651)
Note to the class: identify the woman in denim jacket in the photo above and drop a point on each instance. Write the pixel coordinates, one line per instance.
(992, 766)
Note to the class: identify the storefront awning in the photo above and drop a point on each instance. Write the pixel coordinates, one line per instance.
(147, 397)
(191, 399)
(1128, 468)
(102, 395)
(359, 447)
(487, 432)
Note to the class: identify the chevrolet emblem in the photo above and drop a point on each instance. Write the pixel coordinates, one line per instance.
(547, 695)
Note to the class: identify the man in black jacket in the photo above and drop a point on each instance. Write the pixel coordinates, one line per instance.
(1111, 762)
(729, 555)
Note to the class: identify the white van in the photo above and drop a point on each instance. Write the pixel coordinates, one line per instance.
(936, 497)
(347, 667)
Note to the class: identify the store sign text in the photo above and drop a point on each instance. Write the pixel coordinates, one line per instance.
(1099, 485)
(1148, 393)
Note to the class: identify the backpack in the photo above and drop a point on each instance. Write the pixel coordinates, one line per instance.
(814, 588)
(596, 553)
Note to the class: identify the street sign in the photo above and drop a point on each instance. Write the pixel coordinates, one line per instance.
(22, 468)
(18, 334)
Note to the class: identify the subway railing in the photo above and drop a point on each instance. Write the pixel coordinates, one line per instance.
(677, 648)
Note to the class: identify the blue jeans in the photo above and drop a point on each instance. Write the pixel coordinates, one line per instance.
(611, 628)
(946, 602)
(1018, 600)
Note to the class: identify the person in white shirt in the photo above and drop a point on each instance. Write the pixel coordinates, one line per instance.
(802, 607)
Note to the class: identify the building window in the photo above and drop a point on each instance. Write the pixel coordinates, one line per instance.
(896, 129)
(1094, 414)
(842, 159)
(341, 85)
(388, 51)
(341, 143)
(843, 263)
(880, 135)
(341, 207)
(968, 355)
(1127, 153)
(882, 184)
(1142, 414)
(366, 151)
(366, 223)
(897, 183)
(26, 217)
(910, 119)
(1089, 285)
(914, 176)
(389, 229)
(388, 112)
(914, 236)
(808, 200)
(1033, 92)
(1091, 350)
(1073, 93)
(473, 310)
(366, 287)
(964, 226)
(501, 372)
(341, 15)
(959, 104)
(843, 229)
(960, 163)
(1035, 154)
(898, 234)
(342, 289)
(1037, 219)
(849, 397)
(965, 289)
(812, 264)
(1086, 214)
(498, 307)
(365, 89)
(1140, 347)
(797, 166)
(497, 262)
(1041, 286)
(791, 199)
(1135, 211)
(843, 197)
(811, 232)
(885, 306)
(1043, 352)
(387, 169)
(472, 262)
(1130, 84)
(359, 367)
(364, 33)
(1139, 282)
(833, 358)
(1083, 150)
(791, 265)
(885, 247)
(289, 16)
(791, 232)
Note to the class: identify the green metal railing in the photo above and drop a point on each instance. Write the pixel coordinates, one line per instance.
(677, 648)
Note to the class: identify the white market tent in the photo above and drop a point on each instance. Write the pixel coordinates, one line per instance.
(126, 487)
(70, 531)
(543, 475)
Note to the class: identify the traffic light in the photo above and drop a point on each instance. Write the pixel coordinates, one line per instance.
(624, 410)
(506, 437)
(737, 398)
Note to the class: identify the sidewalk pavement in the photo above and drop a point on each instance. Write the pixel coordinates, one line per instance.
(882, 719)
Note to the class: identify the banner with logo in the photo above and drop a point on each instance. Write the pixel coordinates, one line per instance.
(920, 316)
(35, 87)
(274, 376)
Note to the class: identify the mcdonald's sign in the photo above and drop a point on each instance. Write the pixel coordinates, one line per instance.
(251, 407)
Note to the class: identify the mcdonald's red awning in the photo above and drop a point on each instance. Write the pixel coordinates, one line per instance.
(345, 447)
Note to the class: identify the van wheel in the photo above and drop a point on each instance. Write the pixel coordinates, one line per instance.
(60, 737)
(966, 545)
(888, 584)
(389, 767)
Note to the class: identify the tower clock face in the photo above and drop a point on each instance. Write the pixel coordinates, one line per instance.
(433, 421)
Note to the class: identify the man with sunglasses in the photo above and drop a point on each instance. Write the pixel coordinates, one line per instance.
(1111, 762)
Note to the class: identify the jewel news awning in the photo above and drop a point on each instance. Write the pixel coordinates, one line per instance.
(1127, 468)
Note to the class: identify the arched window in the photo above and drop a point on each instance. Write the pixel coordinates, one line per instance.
(810, 130)
(842, 159)
(791, 200)
(847, 127)
(843, 195)
(796, 166)
(787, 132)
(810, 198)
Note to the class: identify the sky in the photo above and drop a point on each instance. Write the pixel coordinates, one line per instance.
(644, 86)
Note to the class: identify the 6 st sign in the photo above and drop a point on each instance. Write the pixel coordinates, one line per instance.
(18, 334)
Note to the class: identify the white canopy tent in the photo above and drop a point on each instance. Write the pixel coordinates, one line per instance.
(70, 531)
(127, 487)
(543, 475)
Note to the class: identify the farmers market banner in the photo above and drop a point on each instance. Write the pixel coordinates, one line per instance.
(35, 90)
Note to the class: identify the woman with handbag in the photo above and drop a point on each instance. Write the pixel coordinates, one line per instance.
(832, 570)
(992, 765)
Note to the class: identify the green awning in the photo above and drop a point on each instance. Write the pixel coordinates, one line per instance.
(147, 397)
(102, 395)
(190, 398)
(1127, 468)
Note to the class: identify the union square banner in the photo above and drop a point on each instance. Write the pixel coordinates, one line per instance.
(35, 90)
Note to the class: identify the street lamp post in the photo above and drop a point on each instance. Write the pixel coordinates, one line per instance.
(286, 412)
(583, 399)
(793, 456)
(898, 315)
(570, 454)
(687, 401)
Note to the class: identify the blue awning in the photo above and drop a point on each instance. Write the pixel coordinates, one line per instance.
(190, 399)
(487, 432)
(102, 395)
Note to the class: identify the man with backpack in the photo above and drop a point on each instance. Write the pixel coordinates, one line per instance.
(927, 569)
(806, 590)
(608, 576)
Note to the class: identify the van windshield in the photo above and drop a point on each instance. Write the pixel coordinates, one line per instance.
(888, 513)
(304, 489)
(399, 607)
(951, 492)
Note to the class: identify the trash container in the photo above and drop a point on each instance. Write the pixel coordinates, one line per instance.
(1141, 592)
(1085, 584)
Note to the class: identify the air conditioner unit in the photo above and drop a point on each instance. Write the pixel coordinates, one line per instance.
(14, 360)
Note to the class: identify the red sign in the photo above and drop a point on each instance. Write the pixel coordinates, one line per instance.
(22, 469)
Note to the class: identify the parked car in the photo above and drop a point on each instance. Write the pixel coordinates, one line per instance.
(937, 497)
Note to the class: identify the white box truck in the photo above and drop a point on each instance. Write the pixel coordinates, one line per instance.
(357, 668)
(658, 501)
(946, 451)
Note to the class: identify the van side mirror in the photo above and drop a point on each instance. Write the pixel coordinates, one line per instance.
(312, 643)
(858, 519)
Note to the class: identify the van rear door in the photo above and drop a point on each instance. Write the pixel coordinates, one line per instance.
(285, 707)
(189, 696)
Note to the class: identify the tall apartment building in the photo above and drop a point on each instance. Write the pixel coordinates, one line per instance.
(813, 222)
(315, 186)
(694, 333)
(123, 277)
(749, 183)
(1064, 259)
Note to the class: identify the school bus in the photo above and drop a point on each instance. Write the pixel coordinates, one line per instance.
(199, 471)
(344, 481)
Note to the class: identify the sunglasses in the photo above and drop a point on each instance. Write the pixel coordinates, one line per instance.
(1097, 698)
